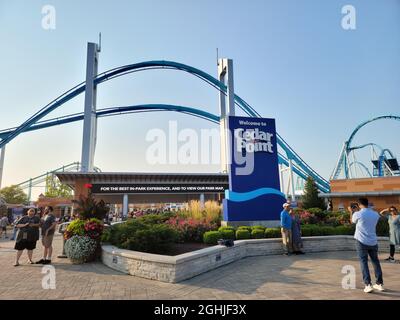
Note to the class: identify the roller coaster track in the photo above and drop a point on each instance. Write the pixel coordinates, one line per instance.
(300, 167)
(343, 163)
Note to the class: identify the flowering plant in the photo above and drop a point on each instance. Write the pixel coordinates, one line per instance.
(139, 213)
(307, 217)
(93, 228)
(80, 249)
(189, 229)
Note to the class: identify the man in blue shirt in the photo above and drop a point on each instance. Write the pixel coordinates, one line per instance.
(286, 228)
(366, 220)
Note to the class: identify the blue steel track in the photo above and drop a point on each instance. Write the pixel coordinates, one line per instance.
(300, 167)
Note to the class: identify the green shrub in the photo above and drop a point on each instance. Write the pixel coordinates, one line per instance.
(242, 234)
(382, 228)
(143, 235)
(212, 237)
(345, 230)
(228, 234)
(317, 212)
(245, 228)
(258, 228)
(327, 231)
(105, 237)
(310, 230)
(156, 238)
(273, 233)
(153, 218)
(257, 234)
(321, 230)
(226, 228)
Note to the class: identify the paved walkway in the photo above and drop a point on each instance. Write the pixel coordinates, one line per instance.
(312, 276)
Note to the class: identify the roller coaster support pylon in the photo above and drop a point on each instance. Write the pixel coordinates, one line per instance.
(226, 107)
(2, 156)
(90, 117)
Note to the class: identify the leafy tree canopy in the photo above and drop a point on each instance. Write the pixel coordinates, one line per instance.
(14, 194)
(55, 189)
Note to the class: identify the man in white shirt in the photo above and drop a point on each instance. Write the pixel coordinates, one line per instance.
(366, 220)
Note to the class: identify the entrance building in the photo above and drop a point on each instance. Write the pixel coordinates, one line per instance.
(381, 192)
(124, 189)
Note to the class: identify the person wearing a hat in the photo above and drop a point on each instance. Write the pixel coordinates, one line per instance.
(286, 228)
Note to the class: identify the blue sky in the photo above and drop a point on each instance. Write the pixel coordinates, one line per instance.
(292, 61)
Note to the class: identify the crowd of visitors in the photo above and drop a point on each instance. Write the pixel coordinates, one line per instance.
(365, 220)
(27, 229)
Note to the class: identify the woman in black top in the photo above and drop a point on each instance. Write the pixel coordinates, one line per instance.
(28, 234)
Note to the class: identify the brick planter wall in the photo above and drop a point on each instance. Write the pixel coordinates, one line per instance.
(185, 266)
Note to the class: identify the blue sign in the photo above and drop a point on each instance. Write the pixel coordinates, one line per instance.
(254, 188)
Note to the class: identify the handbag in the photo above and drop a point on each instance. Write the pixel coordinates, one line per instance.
(22, 235)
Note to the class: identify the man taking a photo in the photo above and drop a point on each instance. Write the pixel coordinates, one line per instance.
(366, 220)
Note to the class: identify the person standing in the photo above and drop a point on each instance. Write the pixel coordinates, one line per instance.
(297, 242)
(49, 224)
(286, 229)
(3, 226)
(366, 220)
(393, 217)
(28, 235)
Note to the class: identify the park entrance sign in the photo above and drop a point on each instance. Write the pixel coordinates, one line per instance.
(254, 195)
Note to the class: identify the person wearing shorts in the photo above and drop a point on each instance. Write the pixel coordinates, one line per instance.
(28, 235)
(48, 228)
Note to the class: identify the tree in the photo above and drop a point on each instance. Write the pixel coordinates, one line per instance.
(310, 197)
(14, 194)
(55, 189)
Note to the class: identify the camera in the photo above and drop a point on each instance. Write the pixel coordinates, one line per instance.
(226, 242)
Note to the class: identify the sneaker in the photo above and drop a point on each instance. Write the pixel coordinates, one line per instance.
(47, 262)
(379, 287)
(390, 259)
(41, 261)
(368, 289)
